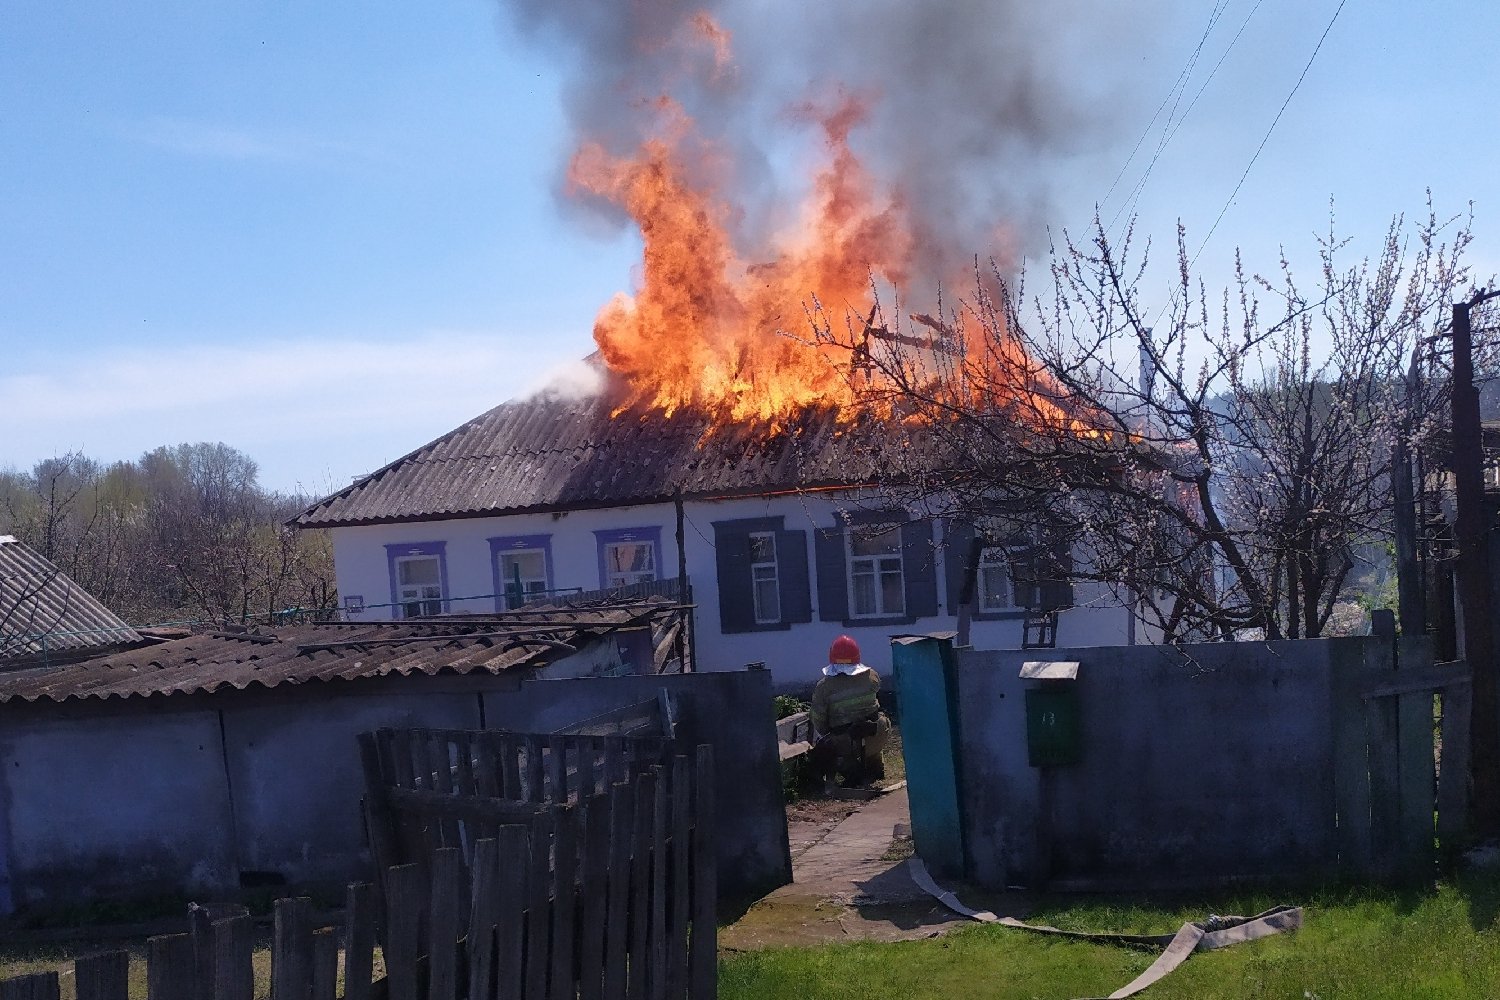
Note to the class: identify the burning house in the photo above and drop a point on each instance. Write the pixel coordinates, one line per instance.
(734, 447)
(783, 535)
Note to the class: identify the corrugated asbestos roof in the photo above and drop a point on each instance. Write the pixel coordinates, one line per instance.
(552, 453)
(43, 610)
(207, 663)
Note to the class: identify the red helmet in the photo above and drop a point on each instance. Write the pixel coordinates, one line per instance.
(843, 650)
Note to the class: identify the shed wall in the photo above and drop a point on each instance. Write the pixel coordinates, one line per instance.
(124, 797)
(297, 781)
(134, 803)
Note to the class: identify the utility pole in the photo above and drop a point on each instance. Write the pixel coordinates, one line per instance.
(1412, 607)
(1473, 572)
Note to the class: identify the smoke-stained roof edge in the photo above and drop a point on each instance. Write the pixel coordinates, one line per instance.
(299, 522)
(556, 454)
(708, 496)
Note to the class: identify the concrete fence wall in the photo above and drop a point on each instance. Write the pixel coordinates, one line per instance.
(199, 793)
(1198, 763)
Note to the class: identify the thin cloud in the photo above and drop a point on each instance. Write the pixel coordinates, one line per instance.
(307, 412)
(221, 142)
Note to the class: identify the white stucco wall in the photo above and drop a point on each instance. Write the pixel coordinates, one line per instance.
(794, 656)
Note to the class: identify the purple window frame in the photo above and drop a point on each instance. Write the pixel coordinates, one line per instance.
(647, 534)
(501, 544)
(396, 551)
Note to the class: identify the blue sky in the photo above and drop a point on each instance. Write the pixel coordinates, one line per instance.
(327, 233)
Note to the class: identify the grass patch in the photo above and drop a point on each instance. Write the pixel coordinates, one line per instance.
(1363, 943)
(893, 757)
(901, 848)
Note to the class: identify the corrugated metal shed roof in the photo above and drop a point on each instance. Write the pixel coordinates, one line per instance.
(42, 610)
(207, 663)
(553, 453)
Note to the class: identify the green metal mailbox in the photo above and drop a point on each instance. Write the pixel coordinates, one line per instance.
(1053, 731)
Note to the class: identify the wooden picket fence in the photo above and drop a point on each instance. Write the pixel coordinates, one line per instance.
(619, 819)
(495, 764)
(609, 893)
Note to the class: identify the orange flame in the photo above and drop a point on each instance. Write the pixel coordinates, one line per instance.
(710, 330)
(706, 328)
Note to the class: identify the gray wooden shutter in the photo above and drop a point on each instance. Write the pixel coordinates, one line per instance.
(919, 565)
(791, 570)
(833, 581)
(1025, 574)
(958, 539)
(732, 560)
(1057, 583)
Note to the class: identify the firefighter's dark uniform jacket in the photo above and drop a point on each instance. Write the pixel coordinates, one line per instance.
(841, 699)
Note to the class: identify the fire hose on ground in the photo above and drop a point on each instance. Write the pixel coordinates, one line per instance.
(1205, 935)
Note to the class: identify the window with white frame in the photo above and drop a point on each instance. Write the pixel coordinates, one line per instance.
(996, 590)
(762, 572)
(523, 575)
(629, 561)
(419, 586)
(877, 587)
(765, 585)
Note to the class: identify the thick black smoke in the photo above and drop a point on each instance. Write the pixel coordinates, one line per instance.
(977, 103)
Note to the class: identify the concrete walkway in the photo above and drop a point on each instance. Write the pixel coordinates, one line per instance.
(846, 866)
(843, 890)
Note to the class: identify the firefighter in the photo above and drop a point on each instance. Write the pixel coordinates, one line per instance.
(851, 730)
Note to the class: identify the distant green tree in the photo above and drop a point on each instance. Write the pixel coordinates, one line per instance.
(185, 532)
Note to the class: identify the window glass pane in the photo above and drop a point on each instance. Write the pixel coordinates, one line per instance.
(874, 541)
(630, 557)
(892, 593)
(421, 600)
(767, 597)
(994, 587)
(417, 571)
(767, 601)
(763, 548)
(863, 580)
(531, 563)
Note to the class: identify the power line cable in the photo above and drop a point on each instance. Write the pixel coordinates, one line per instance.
(1172, 302)
(1267, 137)
(1181, 82)
(1171, 129)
